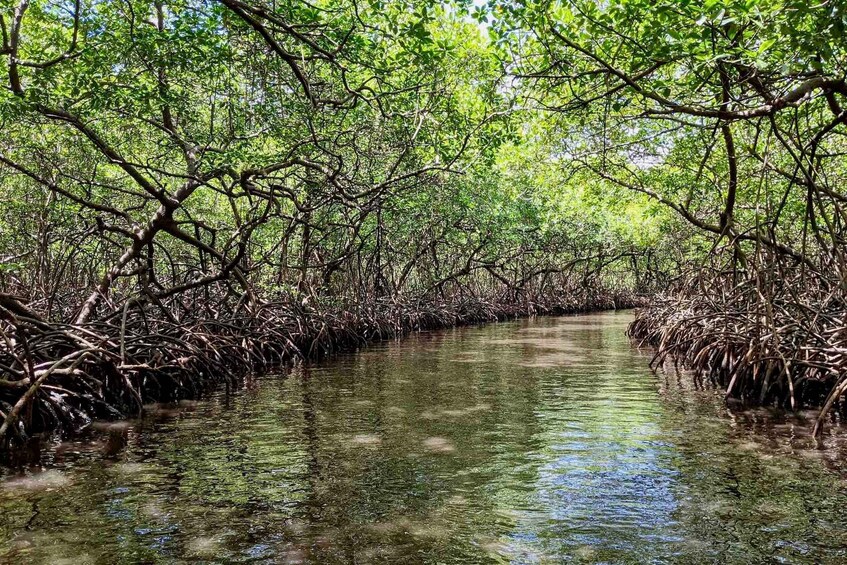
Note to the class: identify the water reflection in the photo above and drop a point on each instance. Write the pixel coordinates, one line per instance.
(528, 442)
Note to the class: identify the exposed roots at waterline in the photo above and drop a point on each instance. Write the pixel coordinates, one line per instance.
(789, 350)
(59, 376)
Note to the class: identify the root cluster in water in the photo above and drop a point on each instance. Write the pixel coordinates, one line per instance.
(63, 376)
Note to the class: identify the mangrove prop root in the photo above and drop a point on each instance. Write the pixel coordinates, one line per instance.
(788, 349)
(55, 376)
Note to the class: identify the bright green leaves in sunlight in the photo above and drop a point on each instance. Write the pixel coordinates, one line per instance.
(304, 135)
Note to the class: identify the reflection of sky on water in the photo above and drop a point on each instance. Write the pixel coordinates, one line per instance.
(607, 484)
(591, 487)
(606, 478)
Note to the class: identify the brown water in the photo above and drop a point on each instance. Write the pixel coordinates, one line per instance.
(529, 442)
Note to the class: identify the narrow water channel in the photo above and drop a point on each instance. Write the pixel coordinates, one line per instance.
(536, 441)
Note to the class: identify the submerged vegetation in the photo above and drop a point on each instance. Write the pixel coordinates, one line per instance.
(197, 189)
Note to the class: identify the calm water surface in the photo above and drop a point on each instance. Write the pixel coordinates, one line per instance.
(540, 441)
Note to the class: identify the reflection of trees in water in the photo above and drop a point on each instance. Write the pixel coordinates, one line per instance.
(406, 489)
(751, 489)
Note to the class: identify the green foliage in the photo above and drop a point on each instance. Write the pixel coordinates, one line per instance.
(346, 148)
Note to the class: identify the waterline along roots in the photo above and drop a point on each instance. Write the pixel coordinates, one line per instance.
(63, 375)
(787, 350)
